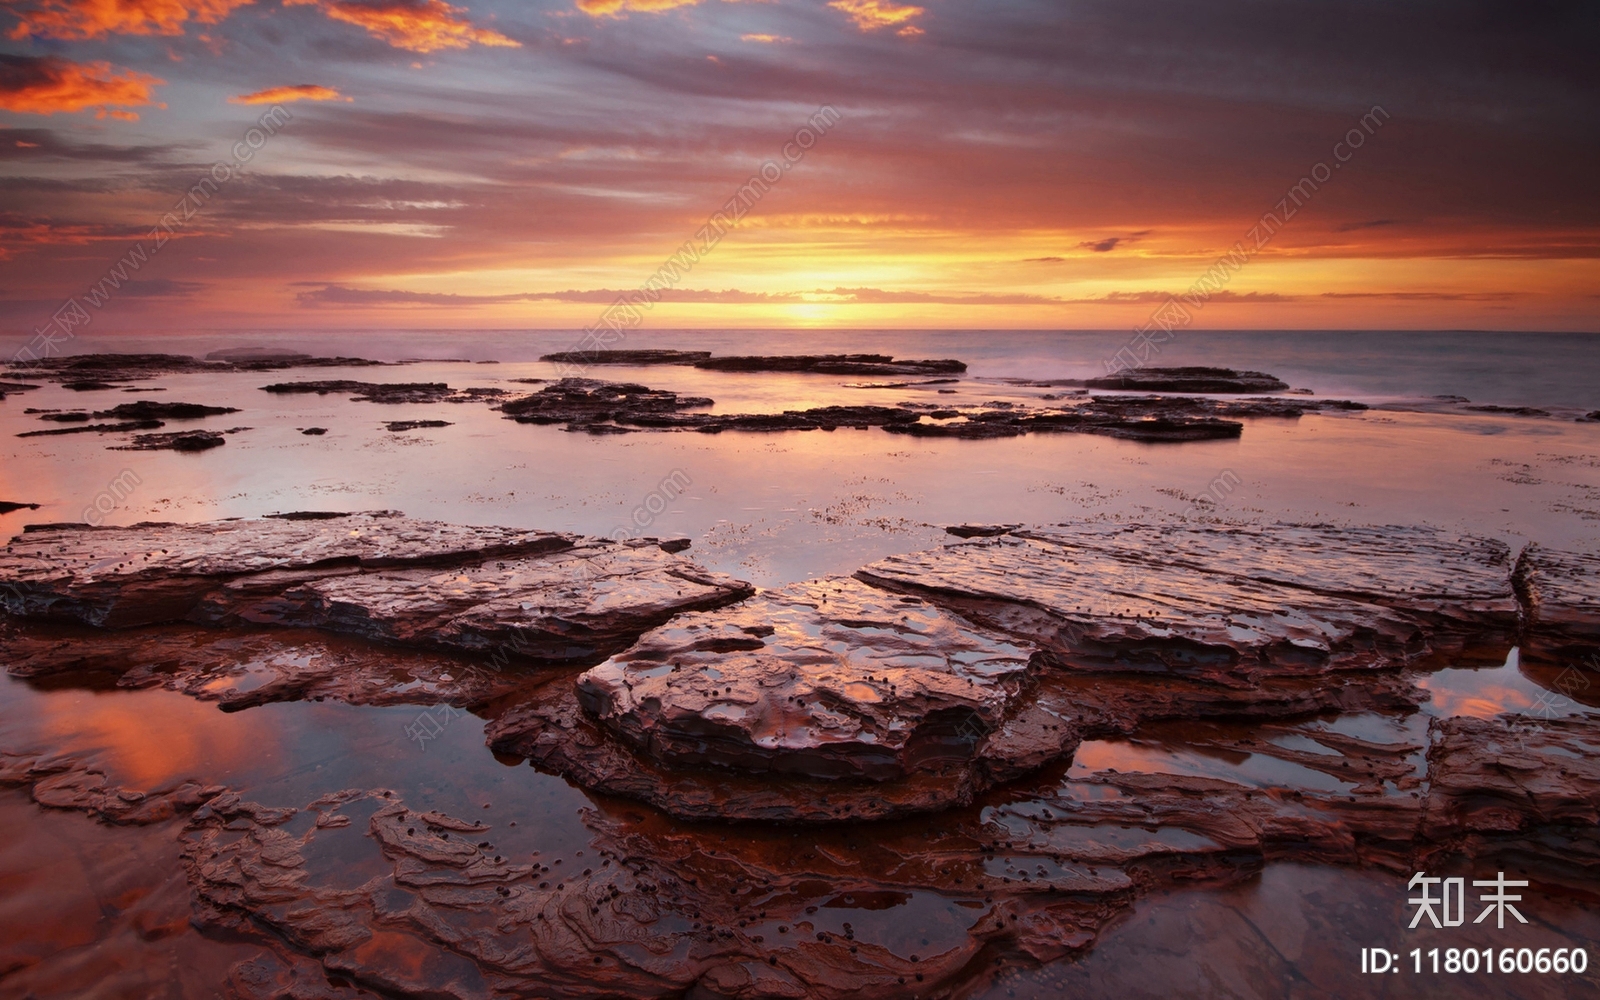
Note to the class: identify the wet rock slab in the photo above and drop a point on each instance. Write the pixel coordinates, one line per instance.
(813, 702)
(1227, 606)
(245, 666)
(823, 680)
(1561, 593)
(540, 595)
(1524, 781)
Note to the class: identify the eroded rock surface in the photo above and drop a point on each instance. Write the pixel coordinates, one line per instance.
(421, 902)
(1229, 606)
(1561, 592)
(1532, 782)
(1102, 750)
(243, 667)
(1133, 624)
(543, 596)
(826, 679)
(655, 913)
(66, 782)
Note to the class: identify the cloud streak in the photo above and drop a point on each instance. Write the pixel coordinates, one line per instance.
(343, 295)
(871, 15)
(78, 19)
(421, 26)
(283, 95)
(44, 85)
(620, 8)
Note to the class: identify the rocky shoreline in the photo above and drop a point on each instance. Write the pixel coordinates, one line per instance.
(962, 684)
(1166, 410)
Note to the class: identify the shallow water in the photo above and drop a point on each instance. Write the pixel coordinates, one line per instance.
(774, 508)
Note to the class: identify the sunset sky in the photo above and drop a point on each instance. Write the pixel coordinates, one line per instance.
(1008, 164)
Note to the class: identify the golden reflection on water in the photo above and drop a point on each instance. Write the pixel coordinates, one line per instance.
(148, 739)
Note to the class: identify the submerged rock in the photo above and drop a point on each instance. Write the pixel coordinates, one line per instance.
(65, 782)
(1190, 379)
(412, 425)
(599, 407)
(257, 354)
(643, 357)
(146, 409)
(1515, 411)
(583, 401)
(96, 371)
(833, 364)
(387, 392)
(118, 428)
(827, 364)
(176, 441)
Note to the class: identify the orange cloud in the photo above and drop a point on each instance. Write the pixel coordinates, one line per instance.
(99, 18)
(43, 85)
(283, 95)
(765, 39)
(620, 8)
(870, 15)
(414, 25)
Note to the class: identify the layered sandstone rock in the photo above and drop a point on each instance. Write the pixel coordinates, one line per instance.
(539, 595)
